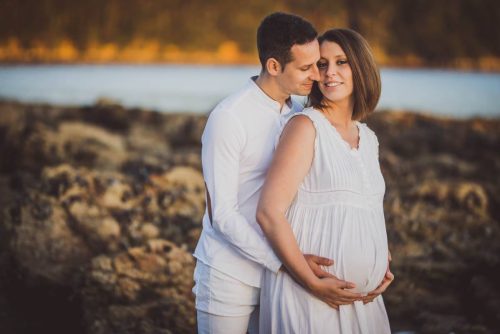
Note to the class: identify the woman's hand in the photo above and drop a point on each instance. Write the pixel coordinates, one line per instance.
(388, 278)
(334, 291)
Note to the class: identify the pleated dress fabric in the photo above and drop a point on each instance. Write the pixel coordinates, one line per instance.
(337, 213)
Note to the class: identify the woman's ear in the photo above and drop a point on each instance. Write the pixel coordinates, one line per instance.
(273, 66)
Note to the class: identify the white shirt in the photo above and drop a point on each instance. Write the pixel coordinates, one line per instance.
(237, 148)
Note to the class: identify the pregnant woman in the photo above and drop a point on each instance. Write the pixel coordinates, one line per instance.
(323, 195)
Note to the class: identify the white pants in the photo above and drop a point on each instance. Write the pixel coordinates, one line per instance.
(218, 324)
(223, 303)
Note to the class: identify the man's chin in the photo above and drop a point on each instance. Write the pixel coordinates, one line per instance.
(302, 92)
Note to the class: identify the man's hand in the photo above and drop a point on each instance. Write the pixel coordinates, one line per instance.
(327, 287)
(330, 289)
(333, 291)
(388, 278)
(315, 262)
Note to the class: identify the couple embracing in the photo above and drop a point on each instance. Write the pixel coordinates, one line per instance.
(294, 237)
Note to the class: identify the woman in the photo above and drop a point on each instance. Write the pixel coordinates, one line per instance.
(323, 195)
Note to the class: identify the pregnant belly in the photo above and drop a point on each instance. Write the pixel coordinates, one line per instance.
(362, 261)
(355, 239)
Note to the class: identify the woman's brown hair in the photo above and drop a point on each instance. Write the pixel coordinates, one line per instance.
(365, 73)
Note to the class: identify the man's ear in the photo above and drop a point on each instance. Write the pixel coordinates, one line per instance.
(273, 66)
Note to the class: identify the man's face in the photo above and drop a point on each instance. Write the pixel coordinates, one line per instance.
(299, 74)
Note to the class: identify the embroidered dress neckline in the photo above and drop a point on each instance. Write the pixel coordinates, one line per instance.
(339, 136)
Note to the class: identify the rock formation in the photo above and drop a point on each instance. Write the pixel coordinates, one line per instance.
(101, 207)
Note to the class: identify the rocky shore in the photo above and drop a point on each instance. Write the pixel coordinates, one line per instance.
(101, 206)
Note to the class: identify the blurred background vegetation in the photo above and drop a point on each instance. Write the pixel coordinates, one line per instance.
(444, 33)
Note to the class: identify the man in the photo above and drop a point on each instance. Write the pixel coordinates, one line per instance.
(237, 148)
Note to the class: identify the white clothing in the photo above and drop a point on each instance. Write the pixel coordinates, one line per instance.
(338, 214)
(216, 324)
(219, 294)
(237, 148)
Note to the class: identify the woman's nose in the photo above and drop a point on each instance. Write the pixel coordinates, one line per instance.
(331, 71)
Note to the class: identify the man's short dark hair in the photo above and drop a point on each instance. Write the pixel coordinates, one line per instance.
(278, 32)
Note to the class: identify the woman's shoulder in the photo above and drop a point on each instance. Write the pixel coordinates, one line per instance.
(301, 121)
(311, 113)
(298, 129)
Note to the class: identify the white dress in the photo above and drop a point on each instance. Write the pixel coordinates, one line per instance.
(337, 213)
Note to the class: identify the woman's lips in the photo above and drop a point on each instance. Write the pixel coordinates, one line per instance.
(333, 84)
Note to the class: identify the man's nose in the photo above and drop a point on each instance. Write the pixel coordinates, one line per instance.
(315, 73)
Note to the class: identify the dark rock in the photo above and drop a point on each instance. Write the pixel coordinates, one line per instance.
(146, 290)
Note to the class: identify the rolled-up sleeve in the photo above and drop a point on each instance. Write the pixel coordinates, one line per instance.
(222, 143)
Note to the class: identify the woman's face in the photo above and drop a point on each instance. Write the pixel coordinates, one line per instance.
(335, 83)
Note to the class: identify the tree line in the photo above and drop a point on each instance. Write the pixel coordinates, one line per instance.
(429, 32)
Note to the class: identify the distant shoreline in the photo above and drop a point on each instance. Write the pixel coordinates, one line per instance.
(491, 68)
(111, 103)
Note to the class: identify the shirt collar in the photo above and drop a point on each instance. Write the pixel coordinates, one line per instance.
(268, 101)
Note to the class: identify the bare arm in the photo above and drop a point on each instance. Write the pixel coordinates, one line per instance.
(291, 163)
